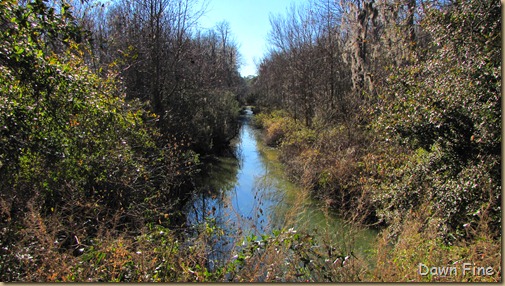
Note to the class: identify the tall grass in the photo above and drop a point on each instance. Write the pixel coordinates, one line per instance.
(334, 164)
(159, 254)
(420, 242)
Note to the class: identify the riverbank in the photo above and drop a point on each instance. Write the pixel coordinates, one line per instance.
(255, 206)
(341, 166)
(253, 197)
(325, 160)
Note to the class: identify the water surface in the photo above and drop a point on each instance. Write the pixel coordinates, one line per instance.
(250, 195)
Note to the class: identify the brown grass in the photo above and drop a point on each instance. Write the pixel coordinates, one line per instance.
(419, 242)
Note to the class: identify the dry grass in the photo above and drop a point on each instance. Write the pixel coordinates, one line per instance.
(157, 255)
(419, 242)
(337, 167)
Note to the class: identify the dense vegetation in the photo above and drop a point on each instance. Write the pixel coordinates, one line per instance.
(388, 112)
(96, 141)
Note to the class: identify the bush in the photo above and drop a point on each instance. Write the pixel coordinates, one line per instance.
(75, 156)
(277, 125)
(324, 159)
(448, 108)
(214, 121)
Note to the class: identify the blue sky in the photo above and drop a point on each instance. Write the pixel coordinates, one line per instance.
(249, 24)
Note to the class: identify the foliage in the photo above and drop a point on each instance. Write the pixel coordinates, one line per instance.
(419, 132)
(324, 159)
(71, 146)
(290, 256)
(188, 77)
(277, 126)
(448, 108)
(94, 167)
(419, 242)
(214, 122)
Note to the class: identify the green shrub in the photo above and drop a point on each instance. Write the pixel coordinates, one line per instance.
(71, 146)
(213, 123)
(450, 106)
(277, 126)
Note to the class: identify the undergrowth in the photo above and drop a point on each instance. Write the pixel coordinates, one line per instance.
(386, 185)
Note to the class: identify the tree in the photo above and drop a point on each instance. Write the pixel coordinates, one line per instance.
(166, 61)
(448, 109)
(69, 137)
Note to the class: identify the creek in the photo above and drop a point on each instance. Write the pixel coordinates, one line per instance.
(249, 195)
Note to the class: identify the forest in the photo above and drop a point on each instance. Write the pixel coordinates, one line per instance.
(387, 112)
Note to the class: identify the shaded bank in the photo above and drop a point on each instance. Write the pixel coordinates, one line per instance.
(250, 196)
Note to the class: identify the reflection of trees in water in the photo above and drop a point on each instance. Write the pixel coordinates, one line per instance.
(241, 198)
(207, 222)
(254, 205)
(234, 208)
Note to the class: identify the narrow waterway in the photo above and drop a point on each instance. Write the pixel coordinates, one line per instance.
(251, 196)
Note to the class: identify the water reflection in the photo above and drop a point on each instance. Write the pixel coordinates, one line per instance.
(239, 201)
(249, 195)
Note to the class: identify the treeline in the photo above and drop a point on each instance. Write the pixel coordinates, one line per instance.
(189, 76)
(105, 112)
(390, 110)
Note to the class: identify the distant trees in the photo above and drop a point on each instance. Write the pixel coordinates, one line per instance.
(333, 55)
(305, 71)
(301, 71)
